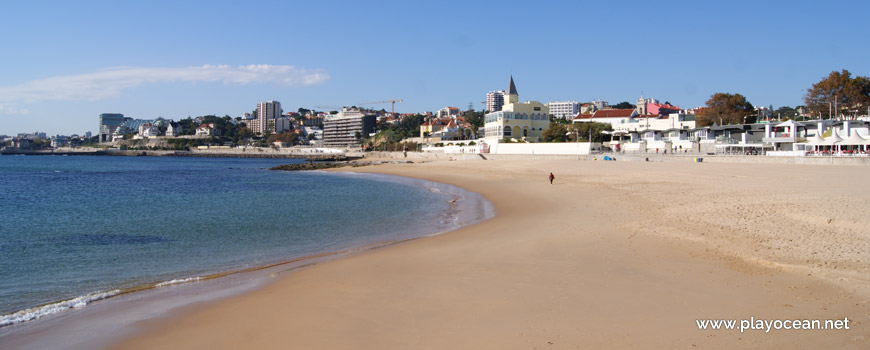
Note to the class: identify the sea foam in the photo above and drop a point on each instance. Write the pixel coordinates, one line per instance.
(53, 308)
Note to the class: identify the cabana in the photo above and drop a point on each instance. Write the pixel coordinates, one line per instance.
(829, 145)
(815, 142)
(854, 145)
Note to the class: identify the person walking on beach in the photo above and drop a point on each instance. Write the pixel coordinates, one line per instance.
(551, 178)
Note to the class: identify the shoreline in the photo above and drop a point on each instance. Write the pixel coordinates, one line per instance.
(586, 281)
(18, 325)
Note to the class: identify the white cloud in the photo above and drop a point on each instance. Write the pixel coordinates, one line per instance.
(111, 82)
(10, 110)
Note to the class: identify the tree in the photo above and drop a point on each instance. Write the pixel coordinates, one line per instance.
(724, 108)
(785, 112)
(624, 105)
(556, 133)
(841, 90)
(594, 129)
(476, 119)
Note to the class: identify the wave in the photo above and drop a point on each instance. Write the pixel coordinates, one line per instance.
(53, 308)
(178, 281)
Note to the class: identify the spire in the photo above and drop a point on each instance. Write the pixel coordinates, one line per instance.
(512, 89)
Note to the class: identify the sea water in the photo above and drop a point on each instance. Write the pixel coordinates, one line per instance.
(78, 229)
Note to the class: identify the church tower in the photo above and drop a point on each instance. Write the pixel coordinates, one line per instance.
(511, 96)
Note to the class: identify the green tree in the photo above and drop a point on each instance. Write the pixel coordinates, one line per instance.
(556, 133)
(476, 119)
(593, 129)
(624, 105)
(841, 90)
(724, 108)
(785, 112)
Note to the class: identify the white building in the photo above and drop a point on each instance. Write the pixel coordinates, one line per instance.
(564, 109)
(494, 100)
(173, 130)
(628, 120)
(147, 130)
(206, 130)
(447, 112)
(266, 114)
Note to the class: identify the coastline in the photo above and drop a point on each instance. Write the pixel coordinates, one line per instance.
(572, 264)
(48, 324)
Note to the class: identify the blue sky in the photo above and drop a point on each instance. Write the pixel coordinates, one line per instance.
(64, 63)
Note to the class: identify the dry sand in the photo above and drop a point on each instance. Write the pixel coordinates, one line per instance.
(613, 255)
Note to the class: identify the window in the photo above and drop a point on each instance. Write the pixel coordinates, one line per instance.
(507, 131)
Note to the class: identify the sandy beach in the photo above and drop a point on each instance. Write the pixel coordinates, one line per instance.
(612, 255)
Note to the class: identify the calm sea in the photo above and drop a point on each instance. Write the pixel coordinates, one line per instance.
(74, 229)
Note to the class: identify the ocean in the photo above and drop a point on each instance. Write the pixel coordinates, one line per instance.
(77, 229)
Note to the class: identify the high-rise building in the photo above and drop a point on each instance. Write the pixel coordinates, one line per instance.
(494, 100)
(266, 114)
(109, 122)
(564, 109)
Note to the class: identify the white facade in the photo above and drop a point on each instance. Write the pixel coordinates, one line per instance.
(636, 123)
(266, 114)
(564, 109)
(147, 131)
(495, 100)
(173, 130)
(447, 112)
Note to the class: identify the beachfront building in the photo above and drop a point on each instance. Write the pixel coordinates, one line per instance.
(347, 127)
(517, 120)
(629, 119)
(564, 109)
(494, 100)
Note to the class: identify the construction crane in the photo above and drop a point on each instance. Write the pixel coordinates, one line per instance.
(392, 103)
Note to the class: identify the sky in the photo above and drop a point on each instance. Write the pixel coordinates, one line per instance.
(65, 62)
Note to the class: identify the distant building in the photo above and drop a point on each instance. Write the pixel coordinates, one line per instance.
(345, 128)
(147, 130)
(267, 112)
(109, 123)
(448, 112)
(517, 120)
(564, 109)
(653, 106)
(173, 130)
(494, 100)
(59, 141)
(207, 130)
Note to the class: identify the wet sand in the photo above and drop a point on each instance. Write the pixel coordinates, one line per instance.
(612, 255)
